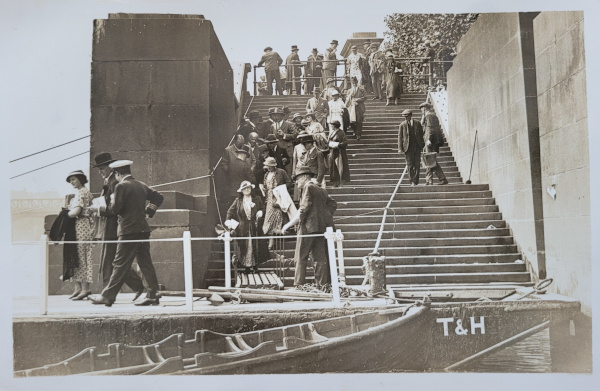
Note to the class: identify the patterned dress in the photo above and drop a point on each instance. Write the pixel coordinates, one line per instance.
(273, 216)
(84, 229)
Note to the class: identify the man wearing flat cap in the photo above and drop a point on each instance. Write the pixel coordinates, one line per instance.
(293, 67)
(272, 61)
(129, 203)
(108, 227)
(330, 62)
(434, 139)
(313, 72)
(410, 141)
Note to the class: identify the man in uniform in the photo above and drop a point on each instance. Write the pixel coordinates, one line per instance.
(272, 61)
(410, 141)
(109, 226)
(129, 203)
(432, 135)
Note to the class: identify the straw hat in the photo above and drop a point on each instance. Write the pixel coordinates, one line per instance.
(244, 185)
(270, 162)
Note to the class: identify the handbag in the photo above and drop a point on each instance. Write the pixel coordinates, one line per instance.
(429, 159)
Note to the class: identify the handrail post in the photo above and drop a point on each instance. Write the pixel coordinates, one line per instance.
(339, 237)
(293, 90)
(227, 239)
(44, 270)
(255, 91)
(187, 269)
(335, 286)
(431, 73)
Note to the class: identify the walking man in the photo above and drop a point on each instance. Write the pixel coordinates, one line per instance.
(377, 65)
(432, 135)
(410, 141)
(109, 224)
(314, 216)
(129, 203)
(272, 61)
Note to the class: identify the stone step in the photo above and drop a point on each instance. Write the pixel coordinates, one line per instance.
(349, 189)
(395, 175)
(431, 250)
(450, 259)
(442, 269)
(435, 233)
(391, 163)
(447, 167)
(414, 196)
(452, 179)
(427, 226)
(423, 210)
(417, 203)
(375, 218)
(448, 278)
(351, 244)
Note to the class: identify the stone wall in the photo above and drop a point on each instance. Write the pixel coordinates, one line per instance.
(561, 87)
(486, 92)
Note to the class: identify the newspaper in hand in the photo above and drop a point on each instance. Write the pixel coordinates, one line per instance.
(98, 204)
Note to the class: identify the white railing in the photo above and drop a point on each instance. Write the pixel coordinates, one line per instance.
(333, 239)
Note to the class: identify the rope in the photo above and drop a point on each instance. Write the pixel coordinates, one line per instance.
(183, 180)
(362, 214)
(48, 165)
(48, 149)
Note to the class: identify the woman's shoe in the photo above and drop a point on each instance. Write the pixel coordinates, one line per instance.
(75, 294)
(82, 295)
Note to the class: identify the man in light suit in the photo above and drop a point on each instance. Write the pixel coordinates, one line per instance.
(129, 203)
(410, 141)
(330, 63)
(314, 216)
(377, 66)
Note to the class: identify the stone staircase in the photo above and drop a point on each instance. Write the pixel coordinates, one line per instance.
(440, 235)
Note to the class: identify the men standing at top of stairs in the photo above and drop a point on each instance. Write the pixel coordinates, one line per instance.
(272, 61)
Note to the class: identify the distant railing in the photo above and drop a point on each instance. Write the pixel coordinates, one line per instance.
(419, 74)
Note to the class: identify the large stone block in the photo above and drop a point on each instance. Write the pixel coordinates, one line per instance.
(177, 218)
(169, 166)
(152, 39)
(176, 200)
(180, 127)
(121, 128)
(150, 83)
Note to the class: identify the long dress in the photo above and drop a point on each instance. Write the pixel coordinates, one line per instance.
(273, 215)
(336, 111)
(339, 169)
(393, 81)
(84, 230)
(353, 62)
(244, 211)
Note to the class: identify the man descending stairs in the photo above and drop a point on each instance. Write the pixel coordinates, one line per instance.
(434, 235)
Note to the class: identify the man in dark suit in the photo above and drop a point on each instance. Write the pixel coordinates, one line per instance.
(410, 141)
(294, 72)
(275, 151)
(314, 216)
(434, 139)
(109, 226)
(272, 61)
(129, 203)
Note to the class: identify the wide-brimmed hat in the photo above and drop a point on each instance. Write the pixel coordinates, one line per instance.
(295, 47)
(304, 137)
(76, 173)
(425, 104)
(333, 41)
(253, 113)
(270, 162)
(305, 122)
(406, 112)
(271, 139)
(103, 159)
(297, 115)
(337, 123)
(335, 92)
(311, 113)
(244, 185)
(268, 48)
(275, 110)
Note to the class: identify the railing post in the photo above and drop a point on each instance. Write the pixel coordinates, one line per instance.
(187, 269)
(227, 239)
(44, 270)
(430, 72)
(293, 90)
(339, 237)
(335, 286)
(255, 81)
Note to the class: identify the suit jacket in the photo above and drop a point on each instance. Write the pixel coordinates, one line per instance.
(280, 154)
(288, 133)
(377, 62)
(272, 61)
(330, 55)
(403, 136)
(432, 131)
(316, 209)
(313, 67)
(110, 222)
(292, 59)
(312, 161)
(319, 106)
(130, 205)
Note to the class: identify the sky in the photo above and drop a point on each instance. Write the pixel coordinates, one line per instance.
(45, 101)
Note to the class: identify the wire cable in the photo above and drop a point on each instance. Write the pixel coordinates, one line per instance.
(56, 146)
(48, 165)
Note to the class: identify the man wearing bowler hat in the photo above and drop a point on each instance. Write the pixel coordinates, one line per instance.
(272, 61)
(313, 71)
(329, 62)
(129, 203)
(294, 72)
(108, 227)
(410, 141)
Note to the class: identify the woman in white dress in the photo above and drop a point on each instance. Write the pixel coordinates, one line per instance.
(336, 110)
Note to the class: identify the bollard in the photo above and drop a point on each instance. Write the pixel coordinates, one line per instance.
(44, 270)
(227, 239)
(187, 268)
(335, 286)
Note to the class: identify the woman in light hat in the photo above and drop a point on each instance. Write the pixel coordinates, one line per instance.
(339, 170)
(248, 212)
(273, 214)
(336, 110)
(84, 231)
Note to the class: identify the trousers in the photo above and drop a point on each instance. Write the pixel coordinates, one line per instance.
(318, 247)
(376, 80)
(273, 76)
(413, 161)
(126, 253)
(109, 251)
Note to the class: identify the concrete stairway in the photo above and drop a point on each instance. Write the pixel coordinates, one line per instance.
(434, 235)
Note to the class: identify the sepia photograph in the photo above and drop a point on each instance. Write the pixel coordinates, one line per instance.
(354, 195)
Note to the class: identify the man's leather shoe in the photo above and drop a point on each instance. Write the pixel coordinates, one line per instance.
(147, 301)
(101, 300)
(444, 181)
(138, 294)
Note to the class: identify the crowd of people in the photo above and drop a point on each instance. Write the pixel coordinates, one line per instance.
(375, 68)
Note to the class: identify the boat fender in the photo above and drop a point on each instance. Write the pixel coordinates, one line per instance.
(216, 299)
